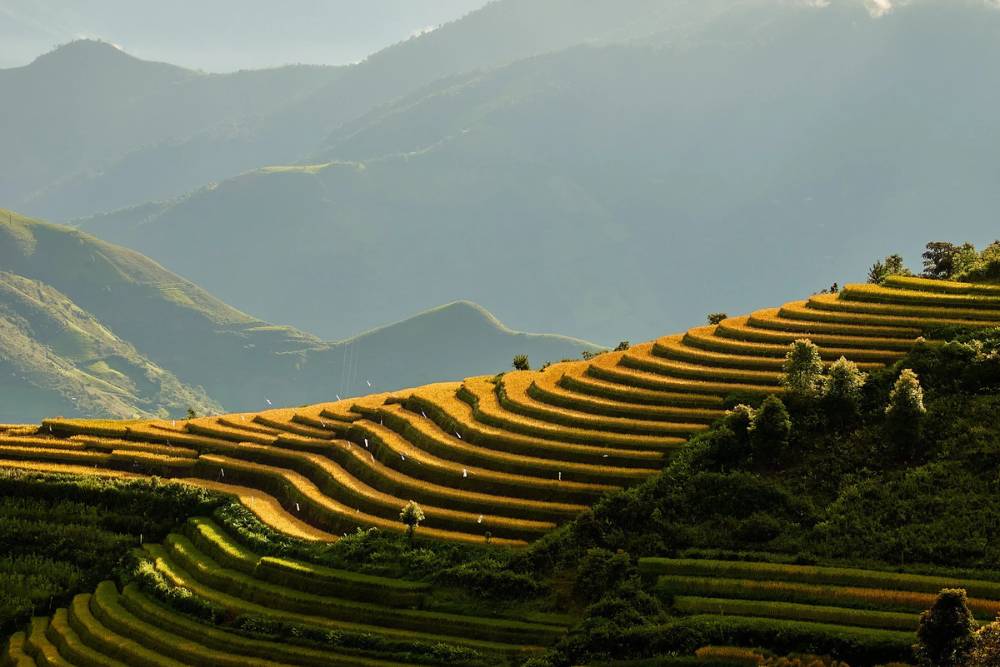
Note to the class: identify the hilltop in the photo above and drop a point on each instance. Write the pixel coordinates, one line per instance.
(144, 340)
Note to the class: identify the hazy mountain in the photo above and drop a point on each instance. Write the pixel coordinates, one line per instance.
(92, 129)
(223, 35)
(622, 190)
(88, 320)
(88, 127)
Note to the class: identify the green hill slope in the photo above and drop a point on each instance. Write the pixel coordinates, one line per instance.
(85, 314)
(56, 358)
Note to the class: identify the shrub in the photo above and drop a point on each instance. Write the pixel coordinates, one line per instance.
(411, 515)
(770, 430)
(986, 646)
(842, 388)
(601, 569)
(905, 411)
(716, 318)
(803, 369)
(944, 634)
(622, 346)
(890, 266)
(520, 362)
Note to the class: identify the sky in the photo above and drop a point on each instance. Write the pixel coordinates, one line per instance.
(222, 35)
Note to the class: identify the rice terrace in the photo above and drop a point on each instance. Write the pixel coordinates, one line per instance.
(252, 412)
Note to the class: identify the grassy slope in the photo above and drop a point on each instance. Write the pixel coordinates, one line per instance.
(57, 359)
(618, 174)
(106, 303)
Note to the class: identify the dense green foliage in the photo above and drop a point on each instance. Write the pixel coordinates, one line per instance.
(62, 535)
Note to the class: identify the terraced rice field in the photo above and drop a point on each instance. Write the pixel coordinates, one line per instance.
(503, 458)
(132, 627)
(845, 600)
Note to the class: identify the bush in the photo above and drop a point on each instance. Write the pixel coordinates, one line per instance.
(842, 388)
(520, 362)
(905, 411)
(716, 318)
(601, 569)
(769, 431)
(944, 634)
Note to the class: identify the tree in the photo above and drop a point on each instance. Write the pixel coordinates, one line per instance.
(906, 399)
(803, 369)
(890, 266)
(939, 260)
(944, 634)
(770, 430)
(716, 318)
(842, 388)
(622, 346)
(905, 410)
(191, 414)
(986, 646)
(520, 362)
(411, 515)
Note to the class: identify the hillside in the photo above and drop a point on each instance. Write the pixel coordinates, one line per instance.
(117, 325)
(57, 359)
(642, 179)
(503, 460)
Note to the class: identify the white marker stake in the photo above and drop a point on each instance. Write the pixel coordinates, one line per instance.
(458, 434)
(297, 509)
(480, 519)
(560, 476)
(465, 473)
(366, 444)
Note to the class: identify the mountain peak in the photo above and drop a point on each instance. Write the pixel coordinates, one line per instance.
(95, 55)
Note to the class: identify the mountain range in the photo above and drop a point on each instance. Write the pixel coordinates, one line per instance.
(93, 329)
(645, 172)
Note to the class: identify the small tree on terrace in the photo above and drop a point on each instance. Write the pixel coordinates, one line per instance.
(715, 318)
(803, 369)
(944, 634)
(520, 362)
(411, 515)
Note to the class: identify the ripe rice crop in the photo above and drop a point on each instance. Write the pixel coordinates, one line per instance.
(934, 315)
(949, 286)
(479, 393)
(772, 318)
(578, 380)
(266, 508)
(738, 329)
(513, 393)
(880, 294)
(695, 371)
(547, 388)
(454, 418)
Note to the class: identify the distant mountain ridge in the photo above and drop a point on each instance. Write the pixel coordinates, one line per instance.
(93, 329)
(629, 184)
